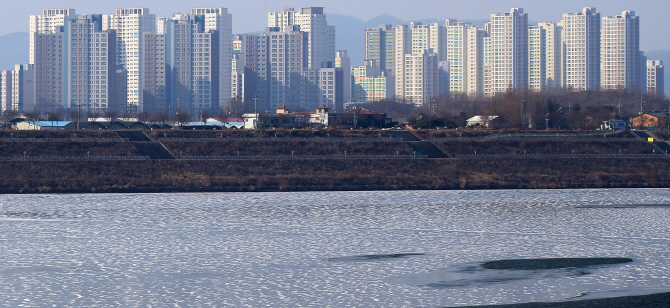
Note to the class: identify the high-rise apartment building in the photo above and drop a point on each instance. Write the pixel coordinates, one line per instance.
(475, 61)
(422, 77)
(256, 69)
(420, 37)
(218, 19)
(312, 20)
(438, 39)
(403, 45)
(537, 54)
(5, 90)
(581, 50)
(287, 60)
(50, 60)
(343, 66)
(380, 46)
(509, 51)
(371, 83)
(90, 64)
(620, 51)
(51, 21)
(17, 88)
(552, 60)
(655, 78)
(457, 55)
(130, 25)
(154, 92)
(237, 76)
(191, 56)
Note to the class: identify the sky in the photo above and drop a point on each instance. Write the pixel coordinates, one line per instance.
(251, 15)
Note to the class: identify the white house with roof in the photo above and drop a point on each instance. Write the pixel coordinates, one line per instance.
(55, 125)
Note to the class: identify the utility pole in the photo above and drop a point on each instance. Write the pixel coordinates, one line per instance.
(546, 120)
(177, 113)
(523, 115)
(78, 115)
(641, 103)
(569, 105)
(255, 112)
(355, 118)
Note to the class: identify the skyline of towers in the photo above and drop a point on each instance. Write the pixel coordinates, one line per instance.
(133, 61)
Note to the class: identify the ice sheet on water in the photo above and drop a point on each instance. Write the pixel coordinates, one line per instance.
(274, 249)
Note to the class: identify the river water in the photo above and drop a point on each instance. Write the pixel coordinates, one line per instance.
(328, 249)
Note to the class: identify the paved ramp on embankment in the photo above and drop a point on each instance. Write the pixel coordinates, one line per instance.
(143, 144)
(426, 148)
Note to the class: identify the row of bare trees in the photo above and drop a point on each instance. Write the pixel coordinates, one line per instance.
(524, 109)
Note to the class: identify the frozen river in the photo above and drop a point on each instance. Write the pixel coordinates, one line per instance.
(329, 249)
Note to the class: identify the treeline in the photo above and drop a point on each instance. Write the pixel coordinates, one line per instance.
(583, 110)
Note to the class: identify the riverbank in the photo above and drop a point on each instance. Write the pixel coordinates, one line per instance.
(324, 160)
(659, 300)
(322, 174)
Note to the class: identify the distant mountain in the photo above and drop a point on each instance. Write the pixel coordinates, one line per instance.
(382, 19)
(14, 49)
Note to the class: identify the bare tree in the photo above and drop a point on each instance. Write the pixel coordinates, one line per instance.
(204, 115)
(94, 113)
(162, 117)
(111, 114)
(9, 115)
(32, 116)
(74, 114)
(145, 115)
(182, 117)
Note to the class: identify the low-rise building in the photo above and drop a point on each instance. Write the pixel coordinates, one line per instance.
(482, 121)
(650, 120)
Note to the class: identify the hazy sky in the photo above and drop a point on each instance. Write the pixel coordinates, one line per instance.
(251, 15)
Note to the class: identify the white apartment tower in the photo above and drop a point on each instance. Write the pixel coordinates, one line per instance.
(475, 64)
(420, 36)
(552, 41)
(403, 45)
(5, 90)
(619, 52)
(422, 77)
(17, 88)
(343, 65)
(438, 39)
(218, 19)
(457, 55)
(655, 78)
(131, 24)
(380, 46)
(49, 57)
(90, 65)
(155, 75)
(509, 51)
(193, 69)
(238, 64)
(51, 21)
(312, 20)
(537, 53)
(371, 83)
(581, 50)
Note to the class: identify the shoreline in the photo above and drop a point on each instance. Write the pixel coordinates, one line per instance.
(656, 300)
(266, 175)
